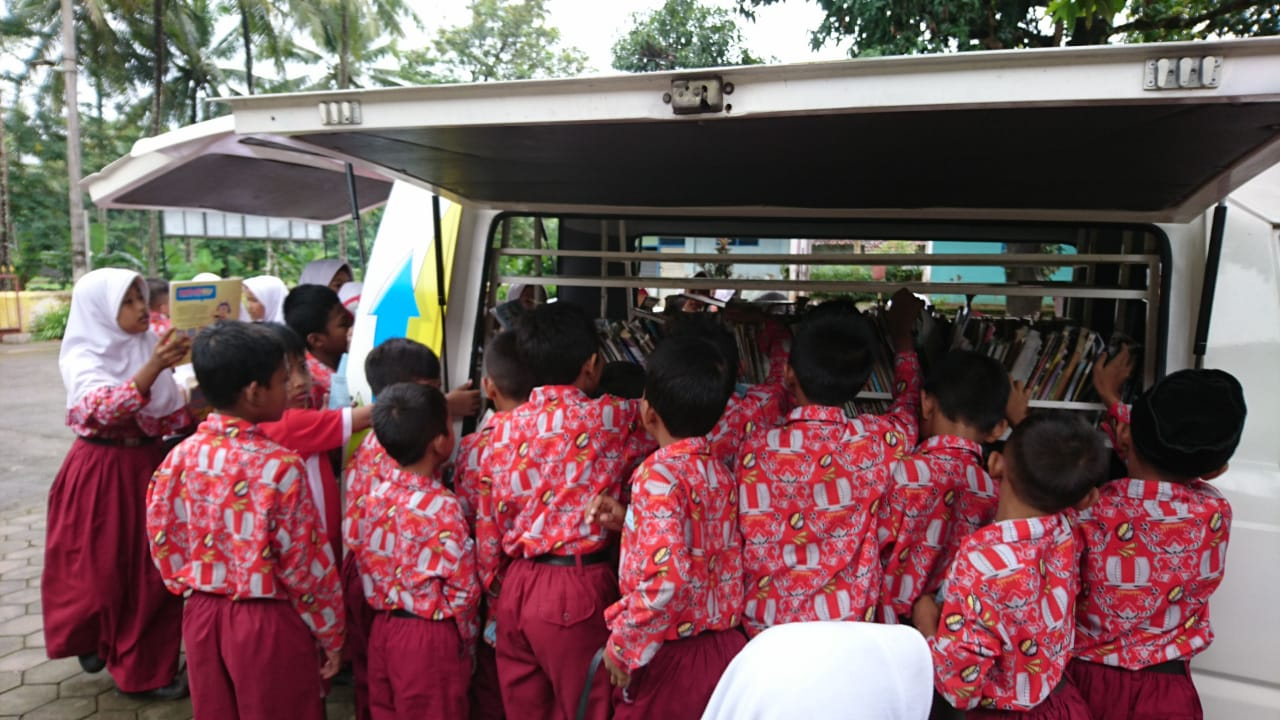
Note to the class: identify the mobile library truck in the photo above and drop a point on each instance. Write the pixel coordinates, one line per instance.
(1087, 176)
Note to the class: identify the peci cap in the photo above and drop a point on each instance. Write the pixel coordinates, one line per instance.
(1189, 423)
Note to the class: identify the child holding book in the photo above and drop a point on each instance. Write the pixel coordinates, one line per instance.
(264, 298)
(317, 315)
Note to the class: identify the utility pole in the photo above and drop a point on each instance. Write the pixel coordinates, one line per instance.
(75, 198)
(6, 231)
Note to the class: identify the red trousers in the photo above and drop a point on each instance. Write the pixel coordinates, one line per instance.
(418, 669)
(1119, 694)
(486, 691)
(550, 625)
(1064, 704)
(359, 623)
(251, 660)
(101, 593)
(693, 665)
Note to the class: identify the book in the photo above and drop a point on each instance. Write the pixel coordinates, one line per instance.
(196, 304)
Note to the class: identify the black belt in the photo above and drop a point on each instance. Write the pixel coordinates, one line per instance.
(130, 442)
(1172, 667)
(399, 613)
(595, 558)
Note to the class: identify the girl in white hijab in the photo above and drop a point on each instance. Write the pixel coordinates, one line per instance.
(331, 272)
(828, 670)
(264, 298)
(102, 598)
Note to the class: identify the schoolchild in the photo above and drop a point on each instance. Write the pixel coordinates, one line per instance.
(158, 299)
(417, 564)
(677, 622)
(1003, 635)
(316, 314)
(329, 272)
(1155, 544)
(101, 596)
(264, 298)
(556, 452)
(809, 489)
(942, 491)
(230, 520)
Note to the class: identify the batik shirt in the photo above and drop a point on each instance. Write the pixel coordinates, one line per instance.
(369, 465)
(942, 494)
(1006, 622)
(313, 434)
(321, 381)
(681, 568)
(550, 458)
(470, 479)
(160, 324)
(762, 405)
(228, 514)
(809, 492)
(417, 555)
(115, 413)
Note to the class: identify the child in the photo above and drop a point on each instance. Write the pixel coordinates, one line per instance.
(681, 569)
(943, 493)
(316, 314)
(1003, 637)
(331, 273)
(417, 565)
(158, 292)
(1155, 544)
(264, 298)
(809, 489)
(230, 519)
(556, 452)
(102, 598)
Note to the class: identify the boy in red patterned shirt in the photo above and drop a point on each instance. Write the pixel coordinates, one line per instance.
(230, 519)
(681, 569)
(555, 454)
(1155, 544)
(317, 315)
(1003, 636)
(809, 489)
(417, 565)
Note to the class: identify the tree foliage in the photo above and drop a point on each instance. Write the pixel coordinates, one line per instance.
(681, 34)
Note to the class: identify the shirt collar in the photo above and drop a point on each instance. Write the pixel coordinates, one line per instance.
(229, 426)
(414, 481)
(684, 446)
(562, 393)
(950, 445)
(818, 413)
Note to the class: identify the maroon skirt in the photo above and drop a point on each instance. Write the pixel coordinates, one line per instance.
(101, 593)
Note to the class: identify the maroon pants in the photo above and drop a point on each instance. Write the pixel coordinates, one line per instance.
(693, 665)
(101, 593)
(359, 623)
(486, 691)
(250, 660)
(1064, 704)
(418, 669)
(550, 625)
(1119, 694)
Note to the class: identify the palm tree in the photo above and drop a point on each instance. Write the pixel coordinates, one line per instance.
(352, 32)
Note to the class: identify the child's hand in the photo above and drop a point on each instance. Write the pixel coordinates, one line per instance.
(171, 349)
(332, 660)
(1019, 399)
(925, 615)
(618, 677)
(904, 308)
(1110, 373)
(607, 512)
(463, 401)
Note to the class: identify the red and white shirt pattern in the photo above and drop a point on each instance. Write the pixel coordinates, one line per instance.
(470, 480)
(417, 555)
(228, 514)
(321, 382)
(367, 467)
(809, 492)
(681, 568)
(160, 324)
(114, 413)
(1006, 627)
(763, 405)
(313, 434)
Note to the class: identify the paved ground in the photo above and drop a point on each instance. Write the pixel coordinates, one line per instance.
(33, 441)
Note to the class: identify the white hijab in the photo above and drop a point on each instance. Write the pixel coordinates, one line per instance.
(206, 277)
(97, 353)
(821, 670)
(321, 272)
(270, 291)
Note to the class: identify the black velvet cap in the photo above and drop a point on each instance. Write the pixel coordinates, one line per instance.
(1189, 423)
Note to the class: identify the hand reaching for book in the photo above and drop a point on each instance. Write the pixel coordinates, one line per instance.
(1110, 374)
(904, 308)
(1015, 411)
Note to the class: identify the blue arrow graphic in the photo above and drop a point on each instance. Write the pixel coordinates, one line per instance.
(396, 307)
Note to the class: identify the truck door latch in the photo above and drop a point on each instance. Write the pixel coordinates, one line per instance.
(696, 95)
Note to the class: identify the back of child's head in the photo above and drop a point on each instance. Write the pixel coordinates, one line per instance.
(1189, 423)
(400, 360)
(1052, 460)
(407, 418)
(969, 388)
(228, 356)
(307, 309)
(556, 340)
(708, 327)
(294, 347)
(684, 383)
(157, 292)
(505, 367)
(622, 379)
(833, 353)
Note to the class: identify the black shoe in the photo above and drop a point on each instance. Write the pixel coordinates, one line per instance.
(91, 663)
(175, 690)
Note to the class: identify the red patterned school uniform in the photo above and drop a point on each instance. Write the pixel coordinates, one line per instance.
(1007, 621)
(321, 381)
(942, 494)
(313, 434)
(229, 518)
(808, 492)
(762, 406)
(1153, 554)
(417, 564)
(550, 458)
(681, 583)
(160, 324)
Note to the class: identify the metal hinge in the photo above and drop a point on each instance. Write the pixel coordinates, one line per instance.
(697, 95)
(1182, 73)
(340, 112)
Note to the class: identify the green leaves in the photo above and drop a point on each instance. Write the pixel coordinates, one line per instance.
(681, 34)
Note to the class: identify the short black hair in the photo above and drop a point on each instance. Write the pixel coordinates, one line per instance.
(506, 368)
(708, 327)
(230, 355)
(556, 340)
(407, 418)
(400, 360)
(1053, 459)
(684, 383)
(622, 379)
(833, 353)
(970, 388)
(307, 309)
(1189, 423)
(157, 291)
(293, 345)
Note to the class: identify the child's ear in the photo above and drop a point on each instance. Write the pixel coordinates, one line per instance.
(789, 380)
(442, 445)
(928, 406)
(649, 416)
(1124, 439)
(1088, 500)
(997, 432)
(488, 387)
(253, 394)
(1216, 473)
(995, 465)
(315, 339)
(591, 371)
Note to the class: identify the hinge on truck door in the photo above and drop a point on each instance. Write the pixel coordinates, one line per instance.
(698, 95)
(1182, 73)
